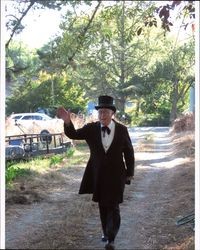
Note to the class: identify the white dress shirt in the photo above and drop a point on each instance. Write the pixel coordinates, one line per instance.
(108, 138)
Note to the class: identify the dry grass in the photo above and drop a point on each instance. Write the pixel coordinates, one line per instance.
(44, 179)
(145, 145)
(183, 179)
(187, 244)
(183, 135)
(184, 144)
(184, 123)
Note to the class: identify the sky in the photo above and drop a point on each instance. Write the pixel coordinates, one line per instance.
(41, 25)
(40, 28)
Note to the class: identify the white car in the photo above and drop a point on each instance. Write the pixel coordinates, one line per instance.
(31, 116)
(33, 123)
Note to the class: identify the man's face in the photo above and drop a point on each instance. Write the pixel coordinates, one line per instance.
(105, 116)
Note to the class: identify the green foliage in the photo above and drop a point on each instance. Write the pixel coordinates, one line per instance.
(70, 152)
(51, 91)
(112, 51)
(56, 159)
(123, 54)
(153, 120)
(13, 172)
(123, 117)
(42, 165)
(20, 62)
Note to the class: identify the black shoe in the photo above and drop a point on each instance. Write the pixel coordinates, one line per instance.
(110, 246)
(104, 238)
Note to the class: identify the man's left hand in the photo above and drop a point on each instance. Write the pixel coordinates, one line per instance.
(128, 179)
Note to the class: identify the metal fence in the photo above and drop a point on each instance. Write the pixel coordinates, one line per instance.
(29, 145)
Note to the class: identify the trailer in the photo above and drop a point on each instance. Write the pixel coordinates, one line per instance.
(24, 146)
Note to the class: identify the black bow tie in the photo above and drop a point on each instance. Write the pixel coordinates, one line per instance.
(105, 129)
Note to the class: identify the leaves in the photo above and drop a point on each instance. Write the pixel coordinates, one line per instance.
(139, 31)
(119, 50)
(165, 13)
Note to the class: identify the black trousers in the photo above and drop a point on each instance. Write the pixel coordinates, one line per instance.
(110, 220)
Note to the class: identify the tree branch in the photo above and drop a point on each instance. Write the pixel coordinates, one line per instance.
(18, 23)
(83, 33)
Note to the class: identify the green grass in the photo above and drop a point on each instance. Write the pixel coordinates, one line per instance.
(42, 165)
(15, 171)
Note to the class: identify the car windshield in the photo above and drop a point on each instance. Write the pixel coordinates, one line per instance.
(38, 117)
(42, 117)
(17, 117)
(27, 117)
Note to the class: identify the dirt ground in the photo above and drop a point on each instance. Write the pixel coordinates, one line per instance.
(46, 212)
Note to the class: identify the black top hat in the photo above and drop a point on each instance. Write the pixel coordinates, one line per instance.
(105, 101)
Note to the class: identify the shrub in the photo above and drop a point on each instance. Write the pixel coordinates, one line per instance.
(185, 122)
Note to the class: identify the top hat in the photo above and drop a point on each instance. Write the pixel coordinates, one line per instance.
(105, 101)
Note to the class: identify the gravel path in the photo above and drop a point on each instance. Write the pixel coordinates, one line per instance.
(153, 202)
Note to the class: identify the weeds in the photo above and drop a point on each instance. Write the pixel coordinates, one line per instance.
(70, 152)
(14, 171)
(56, 159)
(37, 165)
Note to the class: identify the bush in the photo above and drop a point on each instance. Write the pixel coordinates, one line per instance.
(185, 122)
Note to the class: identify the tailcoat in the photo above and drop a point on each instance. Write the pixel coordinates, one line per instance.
(105, 173)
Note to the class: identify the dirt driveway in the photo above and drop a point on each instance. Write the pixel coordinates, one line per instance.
(54, 216)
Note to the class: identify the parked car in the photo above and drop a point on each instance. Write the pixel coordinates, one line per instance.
(30, 116)
(34, 123)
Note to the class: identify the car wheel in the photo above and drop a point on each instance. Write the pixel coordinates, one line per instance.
(45, 136)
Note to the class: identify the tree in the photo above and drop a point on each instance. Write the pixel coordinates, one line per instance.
(31, 77)
(21, 64)
(14, 21)
(117, 50)
(176, 74)
(112, 53)
(66, 93)
(182, 76)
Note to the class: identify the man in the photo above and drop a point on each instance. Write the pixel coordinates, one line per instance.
(110, 166)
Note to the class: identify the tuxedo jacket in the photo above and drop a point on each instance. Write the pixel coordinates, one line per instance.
(105, 173)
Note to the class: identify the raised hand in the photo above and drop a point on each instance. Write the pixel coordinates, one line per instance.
(63, 114)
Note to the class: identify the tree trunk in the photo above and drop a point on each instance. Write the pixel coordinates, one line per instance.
(173, 113)
(120, 104)
(137, 108)
(122, 100)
